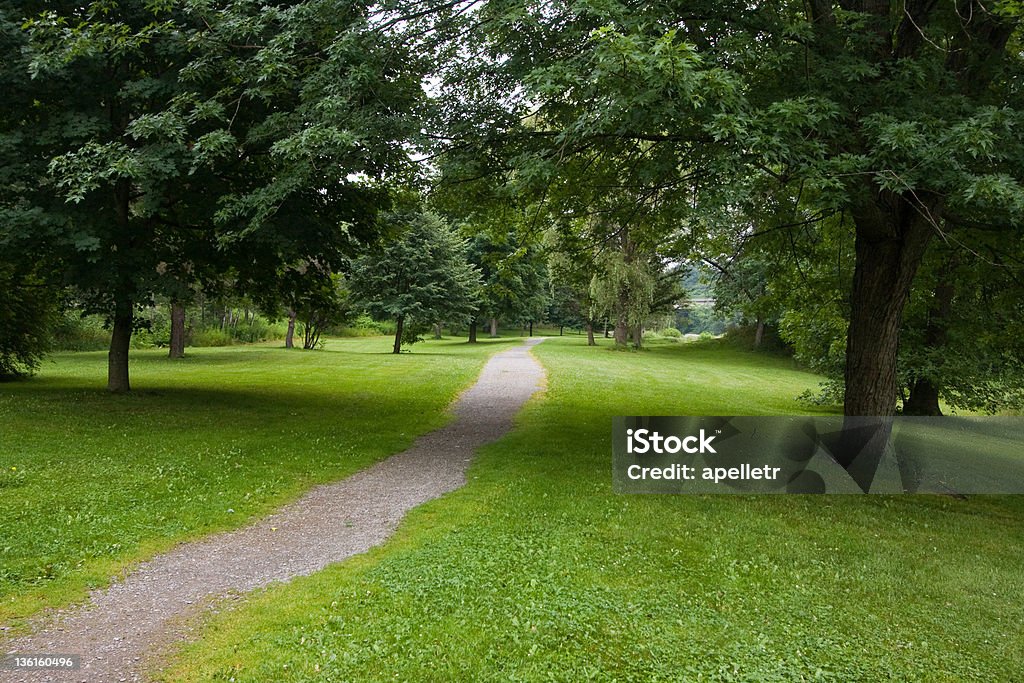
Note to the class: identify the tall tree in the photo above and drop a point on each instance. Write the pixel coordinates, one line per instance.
(900, 115)
(910, 123)
(185, 139)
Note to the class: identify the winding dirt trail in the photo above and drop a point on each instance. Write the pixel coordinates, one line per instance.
(121, 626)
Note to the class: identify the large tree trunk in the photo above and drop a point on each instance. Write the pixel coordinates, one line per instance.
(638, 336)
(621, 331)
(590, 334)
(887, 260)
(494, 327)
(437, 330)
(177, 331)
(120, 342)
(399, 327)
(923, 399)
(472, 331)
(289, 336)
(889, 247)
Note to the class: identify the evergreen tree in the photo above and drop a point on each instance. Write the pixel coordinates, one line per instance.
(419, 276)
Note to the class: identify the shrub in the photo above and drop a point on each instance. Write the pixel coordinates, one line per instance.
(671, 333)
(257, 330)
(76, 332)
(365, 326)
(212, 337)
(27, 310)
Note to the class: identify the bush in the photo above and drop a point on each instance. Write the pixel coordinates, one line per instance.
(28, 309)
(365, 326)
(76, 332)
(671, 333)
(212, 337)
(257, 330)
(742, 337)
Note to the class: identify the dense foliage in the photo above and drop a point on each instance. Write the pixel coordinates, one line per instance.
(418, 277)
(849, 168)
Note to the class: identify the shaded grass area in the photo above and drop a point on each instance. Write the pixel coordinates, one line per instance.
(91, 483)
(536, 571)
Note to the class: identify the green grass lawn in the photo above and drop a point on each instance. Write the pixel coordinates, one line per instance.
(90, 483)
(537, 571)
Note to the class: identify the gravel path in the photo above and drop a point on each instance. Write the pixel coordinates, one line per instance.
(139, 616)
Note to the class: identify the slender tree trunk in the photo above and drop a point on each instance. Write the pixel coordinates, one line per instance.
(311, 330)
(759, 334)
(289, 336)
(606, 330)
(437, 330)
(398, 334)
(638, 336)
(472, 331)
(590, 334)
(177, 331)
(494, 327)
(120, 342)
(531, 328)
(561, 330)
(121, 334)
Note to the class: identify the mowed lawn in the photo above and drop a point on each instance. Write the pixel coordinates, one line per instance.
(536, 571)
(90, 483)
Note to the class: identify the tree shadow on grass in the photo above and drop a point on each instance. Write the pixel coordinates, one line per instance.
(83, 400)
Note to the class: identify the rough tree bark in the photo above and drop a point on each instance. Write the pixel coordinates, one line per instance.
(759, 334)
(590, 334)
(494, 327)
(891, 238)
(177, 349)
(399, 327)
(889, 250)
(621, 331)
(638, 336)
